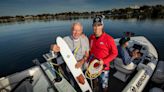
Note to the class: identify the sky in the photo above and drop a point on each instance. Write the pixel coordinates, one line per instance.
(34, 7)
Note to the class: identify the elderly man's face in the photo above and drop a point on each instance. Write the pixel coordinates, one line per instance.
(76, 31)
(98, 30)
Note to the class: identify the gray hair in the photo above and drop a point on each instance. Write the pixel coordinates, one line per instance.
(77, 23)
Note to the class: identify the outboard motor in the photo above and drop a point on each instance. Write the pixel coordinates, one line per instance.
(158, 76)
(155, 89)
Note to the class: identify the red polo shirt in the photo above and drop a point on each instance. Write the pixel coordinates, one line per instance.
(103, 48)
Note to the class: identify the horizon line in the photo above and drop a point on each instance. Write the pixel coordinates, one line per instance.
(80, 11)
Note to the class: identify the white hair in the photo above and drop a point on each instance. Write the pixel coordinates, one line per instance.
(77, 23)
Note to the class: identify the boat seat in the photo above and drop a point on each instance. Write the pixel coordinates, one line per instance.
(123, 71)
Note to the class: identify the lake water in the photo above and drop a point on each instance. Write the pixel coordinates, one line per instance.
(20, 43)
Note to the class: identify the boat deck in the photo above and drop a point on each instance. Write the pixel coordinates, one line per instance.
(116, 85)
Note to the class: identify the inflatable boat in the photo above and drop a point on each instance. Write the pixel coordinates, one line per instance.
(123, 78)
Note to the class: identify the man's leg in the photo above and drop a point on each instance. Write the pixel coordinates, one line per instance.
(103, 81)
(95, 85)
(66, 74)
(71, 79)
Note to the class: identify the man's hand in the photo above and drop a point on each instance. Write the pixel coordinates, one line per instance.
(55, 48)
(79, 64)
(83, 35)
(101, 62)
(86, 54)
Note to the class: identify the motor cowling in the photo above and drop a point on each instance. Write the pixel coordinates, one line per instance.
(158, 76)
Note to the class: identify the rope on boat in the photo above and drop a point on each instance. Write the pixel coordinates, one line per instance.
(94, 70)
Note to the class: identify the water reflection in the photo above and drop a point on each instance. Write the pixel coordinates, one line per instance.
(23, 41)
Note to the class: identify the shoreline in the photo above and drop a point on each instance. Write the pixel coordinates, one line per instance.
(140, 13)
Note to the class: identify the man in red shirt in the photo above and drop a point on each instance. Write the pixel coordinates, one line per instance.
(103, 48)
